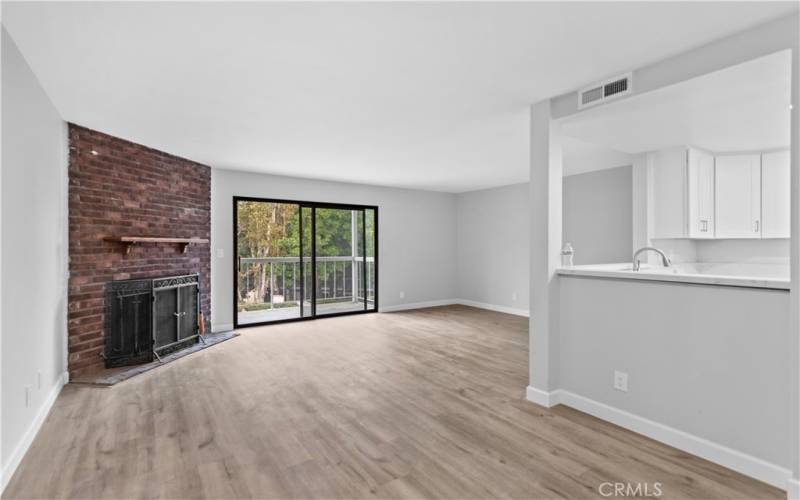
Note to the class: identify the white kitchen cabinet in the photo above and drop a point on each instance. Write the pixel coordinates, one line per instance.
(682, 189)
(667, 185)
(775, 189)
(700, 185)
(738, 196)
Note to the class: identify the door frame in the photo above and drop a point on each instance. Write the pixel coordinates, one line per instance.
(313, 205)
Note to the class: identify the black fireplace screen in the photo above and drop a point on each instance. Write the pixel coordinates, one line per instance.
(147, 318)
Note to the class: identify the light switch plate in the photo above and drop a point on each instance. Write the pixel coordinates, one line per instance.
(620, 381)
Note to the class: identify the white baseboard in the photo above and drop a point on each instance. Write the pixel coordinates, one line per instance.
(727, 457)
(540, 397)
(793, 489)
(449, 302)
(417, 305)
(492, 307)
(226, 327)
(33, 429)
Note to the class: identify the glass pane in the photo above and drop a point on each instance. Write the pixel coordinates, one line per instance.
(369, 214)
(268, 244)
(339, 260)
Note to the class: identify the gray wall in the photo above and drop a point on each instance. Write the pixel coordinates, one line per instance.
(34, 258)
(494, 237)
(492, 250)
(416, 230)
(598, 217)
(706, 364)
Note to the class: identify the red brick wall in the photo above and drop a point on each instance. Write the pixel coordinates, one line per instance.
(128, 190)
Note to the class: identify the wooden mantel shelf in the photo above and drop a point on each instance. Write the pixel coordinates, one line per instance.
(128, 241)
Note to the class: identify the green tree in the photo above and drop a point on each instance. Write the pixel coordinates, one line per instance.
(265, 230)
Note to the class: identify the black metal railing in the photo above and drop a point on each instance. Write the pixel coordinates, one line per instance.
(275, 282)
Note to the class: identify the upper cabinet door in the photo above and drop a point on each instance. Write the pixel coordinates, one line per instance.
(775, 188)
(667, 183)
(738, 196)
(700, 173)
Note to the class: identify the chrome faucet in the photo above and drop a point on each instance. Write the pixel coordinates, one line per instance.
(664, 259)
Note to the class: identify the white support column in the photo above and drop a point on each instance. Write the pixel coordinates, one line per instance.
(354, 246)
(546, 235)
(271, 287)
(640, 201)
(793, 488)
(642, 198)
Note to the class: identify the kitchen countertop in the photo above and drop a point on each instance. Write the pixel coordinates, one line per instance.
(679, 273)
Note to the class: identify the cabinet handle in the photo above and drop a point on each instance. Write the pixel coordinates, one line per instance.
(756, 226)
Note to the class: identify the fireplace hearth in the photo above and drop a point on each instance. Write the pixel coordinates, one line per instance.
(149, 318)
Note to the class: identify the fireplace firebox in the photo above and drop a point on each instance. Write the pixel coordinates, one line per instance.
(147, 318)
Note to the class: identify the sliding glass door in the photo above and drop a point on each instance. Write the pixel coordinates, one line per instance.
(340, 260)
(268, 285)
(300, 260)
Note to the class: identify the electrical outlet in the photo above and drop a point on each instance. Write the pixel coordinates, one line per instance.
(220, 253)
(27, 396)
(402, 295)
(620, 381)
(514, 296)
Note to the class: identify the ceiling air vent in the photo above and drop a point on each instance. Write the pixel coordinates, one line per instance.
(591, 95)
(603, 91)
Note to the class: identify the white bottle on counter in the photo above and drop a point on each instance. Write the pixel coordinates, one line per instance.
(567, 253)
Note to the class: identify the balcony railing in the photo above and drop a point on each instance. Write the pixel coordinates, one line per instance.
(275, 282)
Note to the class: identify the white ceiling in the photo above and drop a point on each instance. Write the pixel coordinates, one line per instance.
(422, 95)
(741, 108)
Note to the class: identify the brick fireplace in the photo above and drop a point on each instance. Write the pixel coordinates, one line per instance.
(118, 188)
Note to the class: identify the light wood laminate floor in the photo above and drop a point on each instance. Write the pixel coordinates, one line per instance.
(417, 404)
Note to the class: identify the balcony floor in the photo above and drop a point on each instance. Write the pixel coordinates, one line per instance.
(281, 313)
